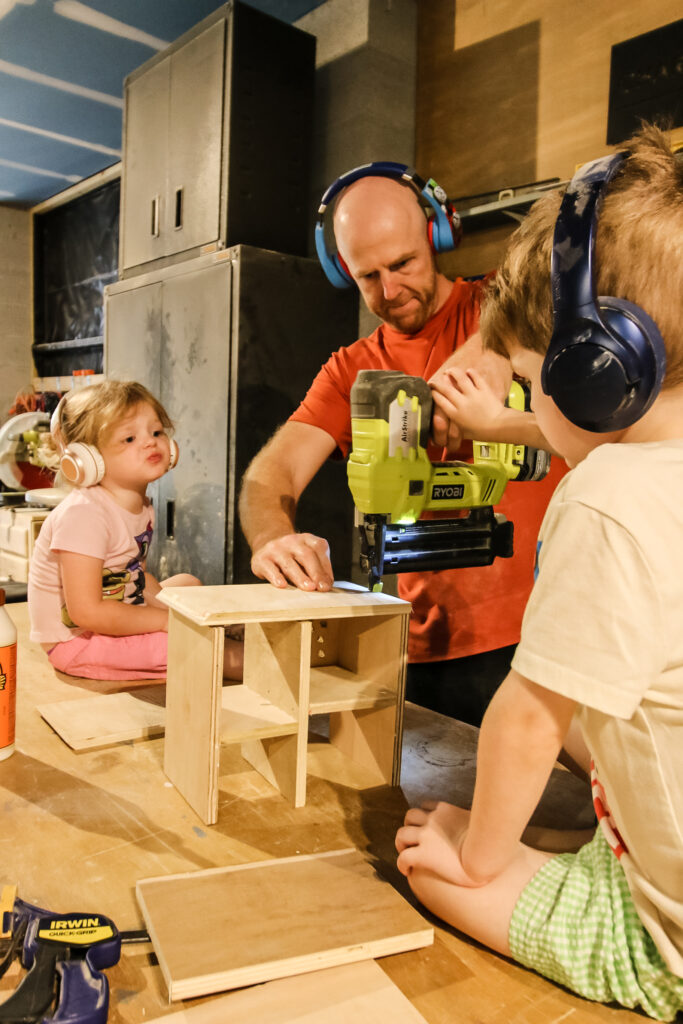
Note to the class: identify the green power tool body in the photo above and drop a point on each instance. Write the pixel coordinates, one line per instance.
(393, 482)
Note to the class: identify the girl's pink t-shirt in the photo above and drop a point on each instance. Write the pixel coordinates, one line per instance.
(87, 522)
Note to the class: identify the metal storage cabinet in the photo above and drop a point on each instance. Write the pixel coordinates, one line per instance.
(230, 343)
(215, 127)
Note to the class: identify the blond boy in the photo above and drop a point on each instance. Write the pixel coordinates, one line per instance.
(602, 644)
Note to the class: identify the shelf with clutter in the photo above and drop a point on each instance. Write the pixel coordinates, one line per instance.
(66, 382)
(509, 204)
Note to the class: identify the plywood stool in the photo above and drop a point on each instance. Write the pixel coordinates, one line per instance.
(342, 653)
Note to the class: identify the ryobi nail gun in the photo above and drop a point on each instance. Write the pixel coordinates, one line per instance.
(393, 482)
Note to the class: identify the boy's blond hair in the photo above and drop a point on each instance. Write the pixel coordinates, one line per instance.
(90, 415)
(638, 255)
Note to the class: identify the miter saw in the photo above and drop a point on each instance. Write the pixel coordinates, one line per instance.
(21, 465)
(393, 482)
(28, 497)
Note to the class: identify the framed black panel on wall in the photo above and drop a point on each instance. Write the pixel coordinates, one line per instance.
(75, 249)
(646, 82)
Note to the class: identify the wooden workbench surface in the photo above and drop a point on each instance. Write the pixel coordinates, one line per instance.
(79, 830)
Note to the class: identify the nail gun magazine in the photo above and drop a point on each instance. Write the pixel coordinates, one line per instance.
(393, 482)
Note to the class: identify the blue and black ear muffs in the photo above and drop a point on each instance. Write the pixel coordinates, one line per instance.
(606, 358)
(444, 229)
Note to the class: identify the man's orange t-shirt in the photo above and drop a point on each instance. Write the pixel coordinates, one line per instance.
(456, 612)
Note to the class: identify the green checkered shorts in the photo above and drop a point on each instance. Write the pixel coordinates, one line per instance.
(576, 924)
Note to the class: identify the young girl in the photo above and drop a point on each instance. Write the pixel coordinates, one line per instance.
(92, 602)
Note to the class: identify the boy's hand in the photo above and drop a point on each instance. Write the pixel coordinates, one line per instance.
(465, 397)
(493, 368)
(431, 839)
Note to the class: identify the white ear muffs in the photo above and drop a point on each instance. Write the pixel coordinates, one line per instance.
(82, 465)
(175, 453)
(55, 429)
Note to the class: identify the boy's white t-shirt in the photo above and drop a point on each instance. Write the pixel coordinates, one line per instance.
(604, 626)
(87, 522)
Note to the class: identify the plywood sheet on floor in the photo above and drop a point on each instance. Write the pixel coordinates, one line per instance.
(91, 723)
(359, 992)
(230, 927)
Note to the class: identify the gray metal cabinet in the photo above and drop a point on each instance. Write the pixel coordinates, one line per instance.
(215, 127)
(144, 172)
(136, 357)
(193, 182)
(230, 342)
(195, 500)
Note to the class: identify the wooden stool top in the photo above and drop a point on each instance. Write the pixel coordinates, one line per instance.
(261, 602)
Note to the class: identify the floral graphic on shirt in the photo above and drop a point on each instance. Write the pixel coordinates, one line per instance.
(135, 567)
(127, 584)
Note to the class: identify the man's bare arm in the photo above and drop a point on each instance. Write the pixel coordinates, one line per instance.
(271, 488)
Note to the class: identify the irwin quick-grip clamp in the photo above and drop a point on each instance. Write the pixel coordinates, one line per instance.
(64, 956)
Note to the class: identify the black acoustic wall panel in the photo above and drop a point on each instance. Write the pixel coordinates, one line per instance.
(646, 82)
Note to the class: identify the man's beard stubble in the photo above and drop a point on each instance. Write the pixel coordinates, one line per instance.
(414, 321)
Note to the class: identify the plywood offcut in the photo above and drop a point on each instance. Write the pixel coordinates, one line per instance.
(360, 993)
(229, 927)
(91, 723)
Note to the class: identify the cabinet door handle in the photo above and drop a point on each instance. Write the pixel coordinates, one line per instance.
(156, 207)
(170, 520)
(179, 207)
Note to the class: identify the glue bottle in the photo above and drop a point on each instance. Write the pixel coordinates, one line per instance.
(8, 680)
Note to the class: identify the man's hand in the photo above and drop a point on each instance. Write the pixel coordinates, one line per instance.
(301, 559)
(271, 488)
(446, 433)
(431, 839)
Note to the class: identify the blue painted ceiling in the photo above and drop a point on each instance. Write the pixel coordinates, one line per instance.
(62, 66)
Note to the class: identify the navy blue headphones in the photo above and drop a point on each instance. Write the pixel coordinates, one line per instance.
(444, 229)
(606, 358)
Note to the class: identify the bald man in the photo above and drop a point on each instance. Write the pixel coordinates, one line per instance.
(465, 622)
(380, 229)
